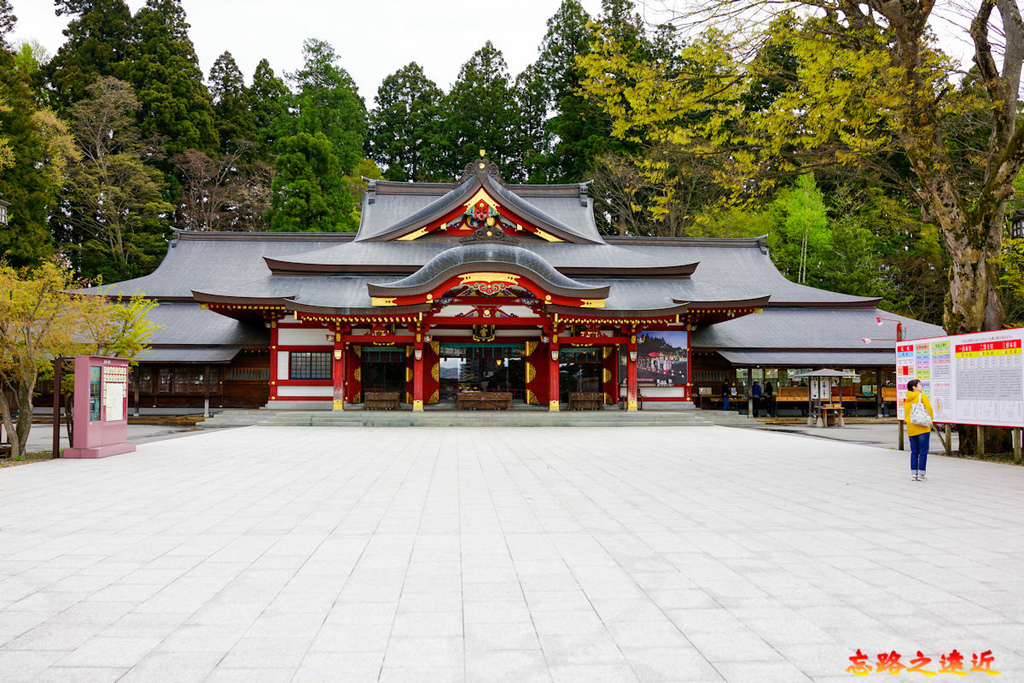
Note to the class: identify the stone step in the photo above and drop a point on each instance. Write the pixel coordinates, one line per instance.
(239, 418)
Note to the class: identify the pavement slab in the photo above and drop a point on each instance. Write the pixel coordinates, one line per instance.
(535, 554)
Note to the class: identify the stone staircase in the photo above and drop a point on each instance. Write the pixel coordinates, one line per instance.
(453, 418)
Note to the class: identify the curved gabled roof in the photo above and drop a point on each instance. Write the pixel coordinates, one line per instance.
(488, 256)
(479, 175)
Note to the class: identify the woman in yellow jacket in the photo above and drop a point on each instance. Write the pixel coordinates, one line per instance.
(919, 435)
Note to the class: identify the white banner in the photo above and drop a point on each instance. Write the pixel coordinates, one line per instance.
(969, 378)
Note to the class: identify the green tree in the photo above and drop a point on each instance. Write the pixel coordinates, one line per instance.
(483, 113)
(405, 125)
(871, 93)
(308, 192)
(114, 200)
(327, 102)
(168, 82)
(801, 241)
(268, 100)
(41, 320)
(34, 149)
(578, 129)
(30, 56)
(98, 42)
(231, 107)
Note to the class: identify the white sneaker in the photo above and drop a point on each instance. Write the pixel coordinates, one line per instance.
(921, 477)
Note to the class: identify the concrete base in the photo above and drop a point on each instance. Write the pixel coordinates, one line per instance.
(98, 451)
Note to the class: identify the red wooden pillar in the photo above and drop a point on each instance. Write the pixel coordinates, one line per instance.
(631, 374)
(553, 375)
(417, 376)
(273, 362)
(339, 373)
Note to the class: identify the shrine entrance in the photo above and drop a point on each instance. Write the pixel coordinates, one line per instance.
(383, 368)
(481, 366)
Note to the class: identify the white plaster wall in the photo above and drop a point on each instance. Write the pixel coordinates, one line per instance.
(282, 365)
(304, 337)
(300, 390)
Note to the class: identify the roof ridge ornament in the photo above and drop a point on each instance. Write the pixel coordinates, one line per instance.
(493, 234)
(482, 166)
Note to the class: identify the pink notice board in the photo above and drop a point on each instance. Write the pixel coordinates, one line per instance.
(101, 408)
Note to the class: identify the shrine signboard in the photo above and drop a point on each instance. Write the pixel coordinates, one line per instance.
(100, 408)
(975, 379)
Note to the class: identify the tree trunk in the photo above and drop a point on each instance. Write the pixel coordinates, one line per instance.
(24, 424)
(997, 440)
(5, 410)
(972, 303)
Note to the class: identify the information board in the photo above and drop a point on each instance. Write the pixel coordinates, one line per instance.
(969, 378)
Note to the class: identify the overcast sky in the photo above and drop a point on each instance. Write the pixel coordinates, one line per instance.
(373, 38)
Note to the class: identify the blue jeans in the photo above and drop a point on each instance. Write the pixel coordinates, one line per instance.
(919, 452)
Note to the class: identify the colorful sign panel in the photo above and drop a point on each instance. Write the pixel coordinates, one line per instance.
(661, 359)
(969, 378)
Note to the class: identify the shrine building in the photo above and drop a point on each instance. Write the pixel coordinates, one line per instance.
(485, 286)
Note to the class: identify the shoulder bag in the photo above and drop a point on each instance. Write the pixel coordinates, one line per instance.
(919, 414)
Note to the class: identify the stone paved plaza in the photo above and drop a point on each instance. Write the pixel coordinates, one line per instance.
(651, 554)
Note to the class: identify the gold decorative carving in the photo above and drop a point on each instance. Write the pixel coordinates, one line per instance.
(592, 303)
(382, 300)
(436, 345)
(607, 375)
(415, 234)
(481, 195)
(606, 351)
(531, 398)
(547, 236)
(358, 398)
(490, 277)
(435, 397)
(358, 350)
(531, 372)
(529, 347)
(435, 371)
(358, 374)
(408, 374)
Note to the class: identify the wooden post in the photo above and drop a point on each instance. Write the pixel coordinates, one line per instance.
(631, 374)
(878, 392)
(417, 375)
(949, 439)
(981, 440)
(338, 374)
(553, 378)
(138, 390)
(206, 391)
(58, 380)
(899, 440)
(750, 393)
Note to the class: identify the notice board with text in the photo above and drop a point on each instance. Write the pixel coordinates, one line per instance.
(969, 378)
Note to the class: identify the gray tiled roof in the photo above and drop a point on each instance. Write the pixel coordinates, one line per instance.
(192, 354)
(811, 328)
(186, 323)
(847, 358)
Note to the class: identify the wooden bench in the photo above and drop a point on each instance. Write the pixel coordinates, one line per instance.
(484, 400)
(586, 400)
(381, 400)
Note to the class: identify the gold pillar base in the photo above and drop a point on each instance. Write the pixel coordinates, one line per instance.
(553, 406)
(417, 405)
(631, 405)
(339, 405)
